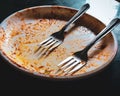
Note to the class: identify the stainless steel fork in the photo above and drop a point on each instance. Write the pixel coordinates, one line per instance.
(80, 58)
(53, 41)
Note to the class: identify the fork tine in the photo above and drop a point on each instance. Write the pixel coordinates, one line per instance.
(51, 43)
(65, 61)
(46, 48)
(43, 42)
(76, 68)
(38, 51)
(55, 45)
(71, 66)
(41, 52)
(52, 47)
(48, 42)
(68, 64)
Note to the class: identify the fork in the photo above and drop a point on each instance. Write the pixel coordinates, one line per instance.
(55, 39)
(79, 59)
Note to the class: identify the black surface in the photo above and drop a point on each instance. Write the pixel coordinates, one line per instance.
(103, 84)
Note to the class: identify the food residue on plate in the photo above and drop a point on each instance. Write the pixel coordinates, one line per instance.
(21, 42)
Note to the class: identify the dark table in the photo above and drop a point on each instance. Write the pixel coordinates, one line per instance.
(105, 83)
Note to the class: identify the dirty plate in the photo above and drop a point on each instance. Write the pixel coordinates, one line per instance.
(21, 33)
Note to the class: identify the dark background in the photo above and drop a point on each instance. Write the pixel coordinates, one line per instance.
(104, 83)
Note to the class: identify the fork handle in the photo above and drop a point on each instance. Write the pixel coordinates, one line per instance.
(103, 33)
(82, 10)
